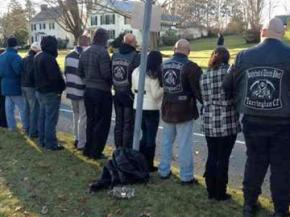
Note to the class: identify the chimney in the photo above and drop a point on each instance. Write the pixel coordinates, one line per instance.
(43, 7)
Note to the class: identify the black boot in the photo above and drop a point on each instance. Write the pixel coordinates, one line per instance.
(250, 210)
(150, 154)
(221, 191)
(210, 186)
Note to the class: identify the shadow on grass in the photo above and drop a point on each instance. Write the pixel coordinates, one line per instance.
(35, 182)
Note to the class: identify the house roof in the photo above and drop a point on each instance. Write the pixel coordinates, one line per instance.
(47, 14)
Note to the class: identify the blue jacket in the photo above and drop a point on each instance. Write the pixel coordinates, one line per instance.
(10, 72)
(259, 80)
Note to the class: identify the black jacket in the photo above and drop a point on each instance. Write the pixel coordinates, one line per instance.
(27, 76)
(127, 167)
(47, 74)
(126, 98)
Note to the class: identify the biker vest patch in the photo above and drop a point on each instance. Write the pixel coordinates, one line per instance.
(172, 81)
(264, 88)
(120, 72)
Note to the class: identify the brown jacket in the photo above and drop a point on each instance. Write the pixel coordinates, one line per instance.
(182, 111)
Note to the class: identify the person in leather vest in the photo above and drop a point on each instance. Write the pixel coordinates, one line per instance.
(180, 80)
(123, 64)
(259, 81)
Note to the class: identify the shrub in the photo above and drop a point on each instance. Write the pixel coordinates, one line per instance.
(169, 38)
(62, 43)
(252, 36)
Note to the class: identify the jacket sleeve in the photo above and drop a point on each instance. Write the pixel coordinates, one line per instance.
(134, 85)
(17, 65)
(228, 83)
(195, 73)
(156, 90)
(137, 60)
(105, 66)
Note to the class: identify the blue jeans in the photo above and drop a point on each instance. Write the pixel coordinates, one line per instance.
(31, 110)
(48, 118)
(10, 103)
(183, 134)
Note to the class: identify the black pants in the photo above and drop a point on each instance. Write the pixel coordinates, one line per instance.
(124, 126)
(3, 122)
(268, 144)
(217, 165)
(150, 123)
(99, 112)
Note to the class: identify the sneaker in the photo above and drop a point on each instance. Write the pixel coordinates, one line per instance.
(224, 197)
(166, 177)
(57, 148)
(191, 182)
(101, 157)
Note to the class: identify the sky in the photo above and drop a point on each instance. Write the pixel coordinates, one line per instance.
(278, 7)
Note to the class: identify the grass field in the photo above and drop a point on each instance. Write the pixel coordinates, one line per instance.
(36, 183)
(201, 49)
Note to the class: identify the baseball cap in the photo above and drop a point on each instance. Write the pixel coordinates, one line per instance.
(275, 28)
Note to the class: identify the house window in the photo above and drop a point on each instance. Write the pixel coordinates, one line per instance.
(40, 26)
(94, 20)
(127, 20)
(51, 26)
(32, 39)
(34, 27)
(44, 26)
(108, 19)
(112, 34)
(31, 27)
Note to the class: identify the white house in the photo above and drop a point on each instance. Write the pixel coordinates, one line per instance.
(44, 23)
(118, 22)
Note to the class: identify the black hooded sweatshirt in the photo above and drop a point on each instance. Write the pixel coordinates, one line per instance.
(47, 74)
(27, 76)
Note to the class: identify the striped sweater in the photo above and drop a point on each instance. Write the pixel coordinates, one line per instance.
(74, 84)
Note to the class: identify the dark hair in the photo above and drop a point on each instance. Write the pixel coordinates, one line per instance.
(219, 56)
(84, 40)
(101, 37)
(12, 42)
(154, 64)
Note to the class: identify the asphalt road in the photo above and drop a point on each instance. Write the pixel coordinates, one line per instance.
(237, 160)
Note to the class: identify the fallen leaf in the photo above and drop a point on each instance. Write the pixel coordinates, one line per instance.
(44, 210)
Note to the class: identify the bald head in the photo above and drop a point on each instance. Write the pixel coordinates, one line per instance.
(130, 39)
(182, 46)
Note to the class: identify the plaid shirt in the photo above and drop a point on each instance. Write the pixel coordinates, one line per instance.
(219, 115)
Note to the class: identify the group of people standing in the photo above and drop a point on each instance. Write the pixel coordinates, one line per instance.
(255, 86)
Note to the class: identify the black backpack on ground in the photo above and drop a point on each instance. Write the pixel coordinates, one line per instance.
(127, 167)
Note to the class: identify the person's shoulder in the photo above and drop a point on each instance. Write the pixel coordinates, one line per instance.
(192, 65)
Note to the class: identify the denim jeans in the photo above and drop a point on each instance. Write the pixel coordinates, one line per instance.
(10, 103)
(48, 118)
(268, 145)
(3, 121)
(183, 134)
(80, 122)
(31, 110)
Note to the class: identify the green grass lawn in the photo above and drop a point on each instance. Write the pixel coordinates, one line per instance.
(35, 183)
(201, 49)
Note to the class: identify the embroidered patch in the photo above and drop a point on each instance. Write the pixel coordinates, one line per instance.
(172, 77)
(120, 72)
(264, 88)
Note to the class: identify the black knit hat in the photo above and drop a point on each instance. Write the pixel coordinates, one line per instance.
(12, 42)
